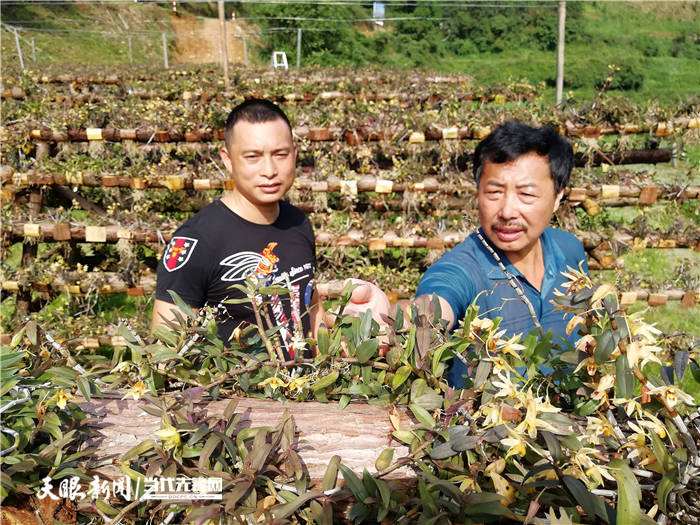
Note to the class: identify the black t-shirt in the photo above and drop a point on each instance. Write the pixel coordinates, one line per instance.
(216, 249)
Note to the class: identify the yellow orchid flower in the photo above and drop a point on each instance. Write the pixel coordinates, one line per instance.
(641, 329)
(124, 366)
(671, 394)
(533, 407)
(589, 364)
(600, 389)
(512, 347)
(137, 391)
(654, 424)
(596, 427)
(299, 383)
(563, 519)
(601, 293)
(62, 397)
(479, 325)
(492, 416)
(573, 323)
(274, 382)
(585, 342)
(631, 405)
(515, 444)
(583, 461)
(169, 436)
(577, 279)
(505, 386)
(637, 352)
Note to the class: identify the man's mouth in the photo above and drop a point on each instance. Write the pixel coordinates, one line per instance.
(508, 233)
(269, 188)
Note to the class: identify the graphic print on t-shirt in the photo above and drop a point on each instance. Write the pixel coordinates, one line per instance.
(264, 265)
(244, 263)
(178, 252)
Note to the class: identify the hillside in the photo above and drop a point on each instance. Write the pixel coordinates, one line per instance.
(655, 45)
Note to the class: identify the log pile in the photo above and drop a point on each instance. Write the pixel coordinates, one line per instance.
(353, 136)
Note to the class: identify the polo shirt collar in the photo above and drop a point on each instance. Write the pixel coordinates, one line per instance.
(551, 254)
(493, 270)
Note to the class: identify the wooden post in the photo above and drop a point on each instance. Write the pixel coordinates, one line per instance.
(224, 50)
(33, 49)
(560, 50)
(165, 51)
(131, 53)
(19, 50)
(298, 48)
(245, 50)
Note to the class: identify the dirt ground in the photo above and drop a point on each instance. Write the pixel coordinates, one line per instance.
(197, 39)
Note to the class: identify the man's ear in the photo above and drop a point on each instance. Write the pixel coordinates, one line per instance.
(225, 158)
(557, 200)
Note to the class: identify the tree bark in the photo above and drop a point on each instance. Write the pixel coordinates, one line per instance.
(358, 434)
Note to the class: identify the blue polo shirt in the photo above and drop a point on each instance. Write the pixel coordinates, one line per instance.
(462, 273)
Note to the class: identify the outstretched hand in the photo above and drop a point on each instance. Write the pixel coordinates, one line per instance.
(366, 296)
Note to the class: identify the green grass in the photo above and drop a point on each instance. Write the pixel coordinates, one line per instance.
(61, 37)
(616, 33)
(669, 319)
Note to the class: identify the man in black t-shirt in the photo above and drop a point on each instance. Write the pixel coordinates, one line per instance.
(250, 233)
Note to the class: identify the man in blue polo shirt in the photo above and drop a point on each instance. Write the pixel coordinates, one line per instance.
(512, 265)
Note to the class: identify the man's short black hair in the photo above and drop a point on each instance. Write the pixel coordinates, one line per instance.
(513, 139)
(254, 110)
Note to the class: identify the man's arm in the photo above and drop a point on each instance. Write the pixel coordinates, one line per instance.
(368, 296)
(424, 302)
(163, 311)
(316, 312)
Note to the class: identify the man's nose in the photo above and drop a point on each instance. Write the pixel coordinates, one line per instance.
(509, 206)
(269, 167)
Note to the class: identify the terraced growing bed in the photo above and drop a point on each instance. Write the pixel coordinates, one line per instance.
(99, 170)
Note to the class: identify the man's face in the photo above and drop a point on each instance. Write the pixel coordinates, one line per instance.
(516, 203)
(261, 159)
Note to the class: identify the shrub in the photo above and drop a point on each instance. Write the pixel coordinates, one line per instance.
(628, 78)
(686, 46)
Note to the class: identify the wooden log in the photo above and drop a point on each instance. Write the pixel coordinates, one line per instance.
(648, 195)
(657, 299)
(689, 299)
(358, 433)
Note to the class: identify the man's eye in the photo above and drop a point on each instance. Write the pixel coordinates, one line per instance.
(282, 155)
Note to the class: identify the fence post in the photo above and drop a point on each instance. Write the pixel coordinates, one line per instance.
(224, 50)
(560, 51)
(165, 51)
(131, 54)
(245, 50)
(19, 50)
(298, 48)
(33, 49)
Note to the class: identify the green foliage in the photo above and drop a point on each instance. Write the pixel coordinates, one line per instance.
(463, 445)
(42, 429)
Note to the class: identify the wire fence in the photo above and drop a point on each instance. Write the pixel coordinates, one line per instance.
(26, 47)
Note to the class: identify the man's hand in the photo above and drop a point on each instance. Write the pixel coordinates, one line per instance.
(368, 296)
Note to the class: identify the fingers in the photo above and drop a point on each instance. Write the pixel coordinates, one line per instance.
(362, 294)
